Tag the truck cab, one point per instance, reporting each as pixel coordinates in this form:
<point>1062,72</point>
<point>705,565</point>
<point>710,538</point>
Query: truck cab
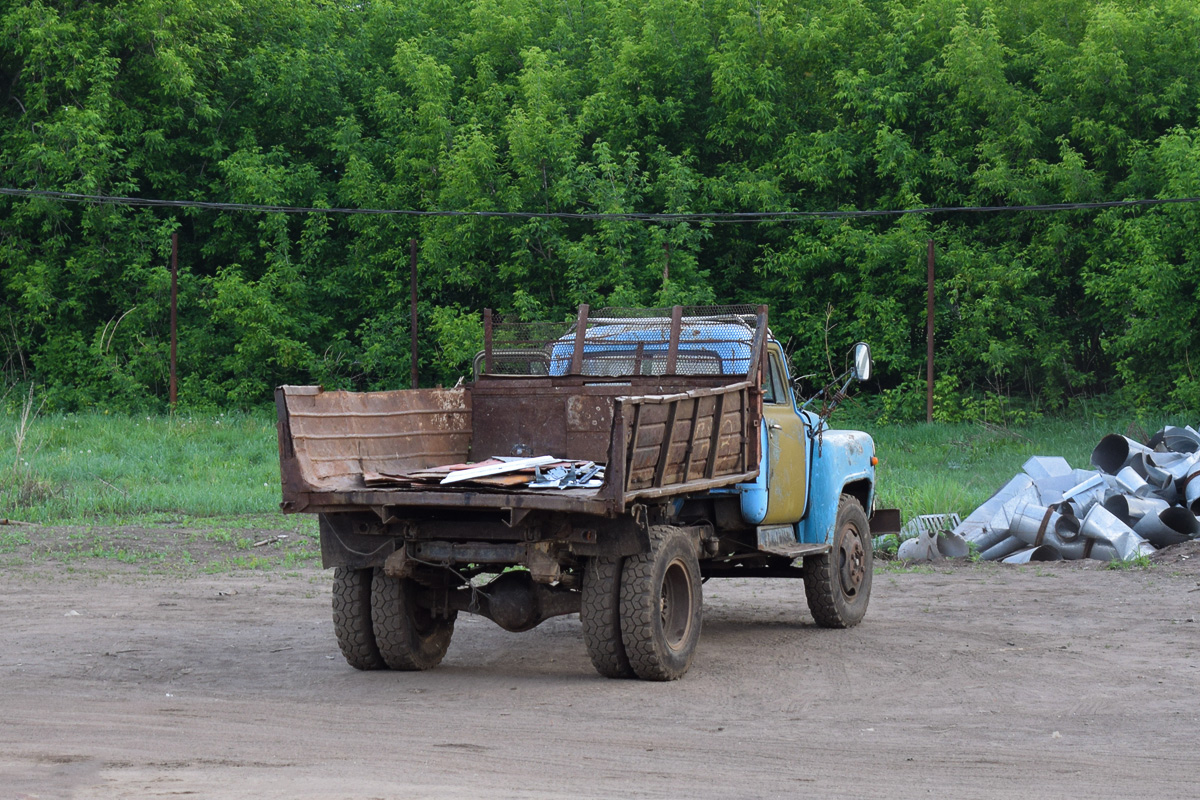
<point>800,460</point>
<point>813,495</point>
<point>805,466</point>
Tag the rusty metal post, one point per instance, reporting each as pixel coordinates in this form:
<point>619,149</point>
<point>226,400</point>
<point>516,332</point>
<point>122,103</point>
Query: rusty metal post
<point>673,347</point>
<point>412,263</point>
<point>929,340</point>
<point>487,341</point>
<point>172,390</point>
<point>580,335</point>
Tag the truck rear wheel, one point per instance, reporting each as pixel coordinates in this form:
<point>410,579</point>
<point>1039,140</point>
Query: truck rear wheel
<point>409,637</point>
<point>352,618</point>
<point>838,583</point>
<point>600,613</point>
<point>661,606</point>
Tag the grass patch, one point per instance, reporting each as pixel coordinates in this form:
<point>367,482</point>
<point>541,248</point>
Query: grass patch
<point>892,566</point>
<point>100,466</point>
<point>11,540</point>
<point>160,493</point>
<point>1137,562</point>
<point>215,478</point>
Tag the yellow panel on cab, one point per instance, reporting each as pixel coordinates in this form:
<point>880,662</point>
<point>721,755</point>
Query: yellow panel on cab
<point>787,464</point>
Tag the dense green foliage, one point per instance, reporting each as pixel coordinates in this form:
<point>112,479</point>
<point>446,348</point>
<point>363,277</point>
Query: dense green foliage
<point>600,105</point>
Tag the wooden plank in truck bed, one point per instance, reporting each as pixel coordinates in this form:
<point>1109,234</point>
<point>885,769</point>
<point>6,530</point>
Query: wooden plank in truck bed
<point>664,445</point>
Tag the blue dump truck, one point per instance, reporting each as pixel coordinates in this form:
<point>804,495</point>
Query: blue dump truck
<point>604,466</point>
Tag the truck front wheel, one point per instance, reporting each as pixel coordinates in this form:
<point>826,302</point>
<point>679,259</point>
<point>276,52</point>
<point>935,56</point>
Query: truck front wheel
<point>661,606</point>
<point>838,583</point>
<point>352,618</point>
<point>409,637</point>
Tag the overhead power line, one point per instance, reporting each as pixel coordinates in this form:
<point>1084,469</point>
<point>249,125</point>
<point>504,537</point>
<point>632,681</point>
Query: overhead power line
<point>713,216</point>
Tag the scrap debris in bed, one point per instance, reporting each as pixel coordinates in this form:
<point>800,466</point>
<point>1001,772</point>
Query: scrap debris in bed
<point>540,472</point>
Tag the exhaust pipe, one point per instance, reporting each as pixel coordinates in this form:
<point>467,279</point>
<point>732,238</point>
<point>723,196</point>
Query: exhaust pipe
<point>1100,536</point>
<point>1080,498</point>
<point>922,547</point>
<point>1162,468</point>
<point>1185,465</point>
<point>1034,524</point>
<point>951,545</point>
<point>1129,509</point>
<point>1118,506</point>
<point>1090,484</point>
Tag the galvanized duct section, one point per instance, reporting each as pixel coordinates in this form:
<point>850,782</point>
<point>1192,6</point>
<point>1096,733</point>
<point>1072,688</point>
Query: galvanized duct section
<point>928,538</point>
<point>1002,549</point>
<point>1043,553</point>
<point>1170,526</point>
<point>1115,452</point>
<point>1140,497</point>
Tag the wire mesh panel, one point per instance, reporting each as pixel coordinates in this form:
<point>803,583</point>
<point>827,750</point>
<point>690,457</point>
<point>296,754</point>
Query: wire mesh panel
<point>621,342</point>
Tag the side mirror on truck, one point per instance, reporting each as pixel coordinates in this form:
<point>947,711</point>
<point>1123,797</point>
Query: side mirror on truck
<point>861,353</point>
<point>834,393</point>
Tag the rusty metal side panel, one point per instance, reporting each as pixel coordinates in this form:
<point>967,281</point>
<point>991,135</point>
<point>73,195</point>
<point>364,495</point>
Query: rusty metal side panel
<point>562,416</point>
<point>328,439</point>
<point>529,423</point>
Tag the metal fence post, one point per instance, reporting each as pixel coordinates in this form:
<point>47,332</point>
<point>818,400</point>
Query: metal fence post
<point>412,247</point>
<point>172,390</point>
<point>929,340</point>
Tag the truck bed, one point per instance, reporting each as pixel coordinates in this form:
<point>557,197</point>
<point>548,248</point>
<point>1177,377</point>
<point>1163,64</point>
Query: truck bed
<point>658,436</point>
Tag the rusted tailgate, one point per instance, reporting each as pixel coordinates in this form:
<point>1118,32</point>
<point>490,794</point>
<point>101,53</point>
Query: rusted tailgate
<point>328,439</point>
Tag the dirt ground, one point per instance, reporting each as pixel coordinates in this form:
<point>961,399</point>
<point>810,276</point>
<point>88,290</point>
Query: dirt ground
<point>965,681</point>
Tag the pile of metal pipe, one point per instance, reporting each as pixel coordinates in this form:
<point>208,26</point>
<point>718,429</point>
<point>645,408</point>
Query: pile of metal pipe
<point>1140,497</point>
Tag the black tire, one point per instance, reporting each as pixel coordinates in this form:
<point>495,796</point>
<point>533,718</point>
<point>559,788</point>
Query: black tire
<point>352,618</point>
<point>600,613</point>
<point>838,583</point>
<point>408,636</point>
<point>661,606</point>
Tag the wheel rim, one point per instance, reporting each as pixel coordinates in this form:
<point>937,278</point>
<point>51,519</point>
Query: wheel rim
<point>852,566</point>
<point>675,604</point>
